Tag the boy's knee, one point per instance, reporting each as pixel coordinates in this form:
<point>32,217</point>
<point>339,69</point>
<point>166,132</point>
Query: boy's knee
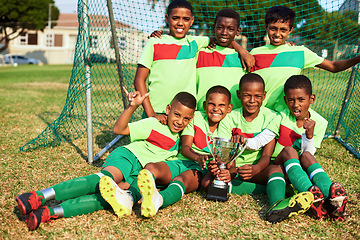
<point>307,159</point>
<point>289,152</point>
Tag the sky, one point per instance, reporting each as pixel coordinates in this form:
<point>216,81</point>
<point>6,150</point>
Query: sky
<point>70,6</point>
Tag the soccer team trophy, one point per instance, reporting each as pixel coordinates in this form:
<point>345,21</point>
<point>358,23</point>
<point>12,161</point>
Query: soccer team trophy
<point>223,151</point>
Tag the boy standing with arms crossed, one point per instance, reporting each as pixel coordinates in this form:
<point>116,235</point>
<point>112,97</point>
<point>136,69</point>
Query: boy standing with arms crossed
<point>288,60</point>
<point>300,131</point>
<point>151,140</point>
<point>184,174</point>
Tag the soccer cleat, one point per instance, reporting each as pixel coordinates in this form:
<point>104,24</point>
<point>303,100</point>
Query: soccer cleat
<point>289,207</point>
<point>336,202</point>
<point>38,216</point>
<point>120,200</point>
<point>28,202</point>
<point>318,209</point>
<point>152,200</point>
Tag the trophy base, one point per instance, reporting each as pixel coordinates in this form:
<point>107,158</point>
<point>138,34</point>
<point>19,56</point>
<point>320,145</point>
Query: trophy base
<point>217,194</point>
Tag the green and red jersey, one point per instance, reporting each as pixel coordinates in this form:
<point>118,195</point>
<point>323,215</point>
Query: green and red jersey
<point>284,125</point>
<point>275,64</point>
<point>219,66</point>
<point>172,64</point>
<point>152,141</point>
<point>237,125</point>
<point>198,129</point>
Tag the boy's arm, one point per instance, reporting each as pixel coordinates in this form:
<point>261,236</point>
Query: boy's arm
<point>338,66</point>
<point>307,137</point>
<point>188,152</point>
<point>248,171</point>
<point>260,140</point>
<point>140,78</point>
<point>247,60</point>
<point>121,126</point>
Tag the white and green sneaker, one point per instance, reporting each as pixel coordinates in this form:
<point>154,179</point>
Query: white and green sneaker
<point>151,198</point>
<point>289,207</point>
<point>120,200</point>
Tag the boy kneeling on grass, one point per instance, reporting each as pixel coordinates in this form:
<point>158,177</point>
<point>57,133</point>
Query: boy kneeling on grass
<point>184,174</point>
<point>151,141</point>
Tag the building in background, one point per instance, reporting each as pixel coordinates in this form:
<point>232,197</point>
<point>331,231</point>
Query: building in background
<point>57,44</point>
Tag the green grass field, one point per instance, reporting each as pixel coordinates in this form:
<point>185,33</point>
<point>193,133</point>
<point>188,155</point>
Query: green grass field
<point>33,96</point>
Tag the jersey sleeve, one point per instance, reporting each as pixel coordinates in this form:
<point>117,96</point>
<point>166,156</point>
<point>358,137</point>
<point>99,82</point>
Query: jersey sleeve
<point>274,124</point>
<point>189,129</point>
<point>147,56</point>
<point>202,41</point>
<point>225,127</point>
<point>140,130</point>
<point>311,58</point>
<point>320,129</point>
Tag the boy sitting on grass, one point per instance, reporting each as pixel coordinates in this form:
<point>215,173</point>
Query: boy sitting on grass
<point>184,174</point>
<point>278,57</point>
<point>151,140</point>
<point>247,121</point>
<point>300,131</point>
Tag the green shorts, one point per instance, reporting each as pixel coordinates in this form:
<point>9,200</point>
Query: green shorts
<point>123,159</point>
<point>180,166</point>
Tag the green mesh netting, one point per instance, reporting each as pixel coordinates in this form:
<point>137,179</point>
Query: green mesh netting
<point>334,35</point>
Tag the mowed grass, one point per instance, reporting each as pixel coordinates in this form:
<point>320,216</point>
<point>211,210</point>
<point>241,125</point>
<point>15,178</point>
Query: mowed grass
<point>29,92</point>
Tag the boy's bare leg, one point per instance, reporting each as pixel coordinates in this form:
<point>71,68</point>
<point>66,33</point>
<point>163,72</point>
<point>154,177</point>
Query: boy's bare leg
<point>160,171</point>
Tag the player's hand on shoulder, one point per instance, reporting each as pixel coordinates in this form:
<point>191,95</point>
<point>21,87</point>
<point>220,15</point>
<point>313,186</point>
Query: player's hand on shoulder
<point>291,43</point>
<point>156,34</point>
<point>309,126</point>
<point>212,42</point>
<point>247,61</point>
<point>135,98</point>
<point>162,118</point>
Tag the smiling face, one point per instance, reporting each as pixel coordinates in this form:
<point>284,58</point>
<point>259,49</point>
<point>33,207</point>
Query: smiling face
<point>178,116</point>
<point>278,32</point>
<point>298,101</point>
<point>251,95</point>
<point>217,105</point>
<point>225,30</point>
<point>180,21</point>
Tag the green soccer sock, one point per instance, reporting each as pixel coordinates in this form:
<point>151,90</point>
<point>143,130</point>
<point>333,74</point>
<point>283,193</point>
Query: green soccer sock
<point>297,176</point>
<point>275,187</point>
<point>42,198</point>
<point>77,187</point>
<point>83,205</point>
<point>134,190</point>
<point>319,177</point>
<point>240,187</point>
<point>172,193</point>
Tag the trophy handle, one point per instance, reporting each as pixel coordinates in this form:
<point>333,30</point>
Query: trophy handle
<point>241,151</point>
<point>209,135</point>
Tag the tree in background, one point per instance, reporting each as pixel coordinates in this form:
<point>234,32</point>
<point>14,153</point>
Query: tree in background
<point>19,16</point>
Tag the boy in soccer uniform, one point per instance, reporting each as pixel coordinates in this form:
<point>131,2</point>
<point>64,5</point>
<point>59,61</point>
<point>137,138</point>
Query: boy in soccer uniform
<point>221,65</point>
<point>183,175</point>
<point>169,61</point>
<point>248,121</point>
<point>151,141</point>
<point>300,131</point>
<point>288,60</point>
